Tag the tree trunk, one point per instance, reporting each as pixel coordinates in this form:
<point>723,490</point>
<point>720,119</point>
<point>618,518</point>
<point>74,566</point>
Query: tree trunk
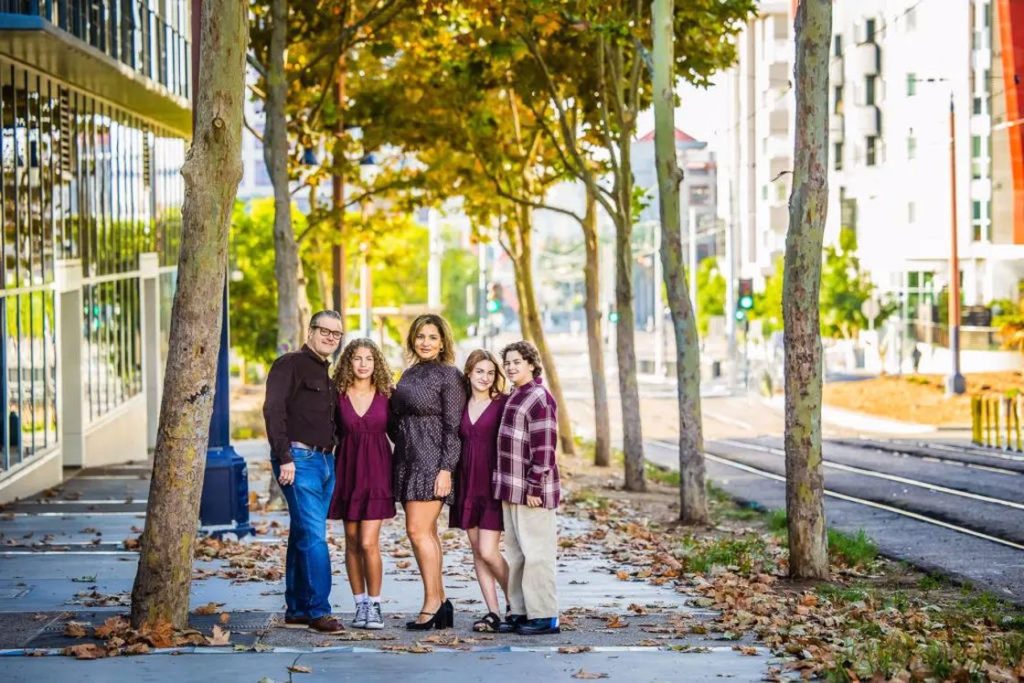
<point>693,507</point>
<point>286,251</point>
<point>595,338</point>
<point>275,155</point>
<point>808,203</point>
<point>625,342</point>
<point>212,171</point>
<point>533,328</point>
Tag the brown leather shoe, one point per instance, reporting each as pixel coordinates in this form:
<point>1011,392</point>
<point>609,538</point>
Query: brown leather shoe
<point>296,622</point>
<point>326,624</point>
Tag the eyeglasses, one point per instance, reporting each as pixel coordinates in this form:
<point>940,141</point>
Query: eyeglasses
<point>327,333</point>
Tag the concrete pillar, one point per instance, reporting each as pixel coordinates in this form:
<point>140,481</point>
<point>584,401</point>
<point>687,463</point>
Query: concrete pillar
<point>152,368</point>
<point>70,361</point>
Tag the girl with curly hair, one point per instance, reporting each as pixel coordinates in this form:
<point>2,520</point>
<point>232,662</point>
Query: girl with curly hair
<point>363,495</point>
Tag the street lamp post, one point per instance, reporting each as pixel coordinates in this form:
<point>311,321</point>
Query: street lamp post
<point>955,383</point>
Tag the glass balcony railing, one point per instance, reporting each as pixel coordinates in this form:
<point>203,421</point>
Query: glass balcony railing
<point>129,31</point>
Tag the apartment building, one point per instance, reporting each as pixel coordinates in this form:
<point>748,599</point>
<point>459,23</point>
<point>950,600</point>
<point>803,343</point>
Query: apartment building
<point>95,110</point>
<point>896,69</point>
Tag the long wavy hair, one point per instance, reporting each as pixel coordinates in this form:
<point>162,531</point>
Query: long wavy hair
<point>447,353</point>
<point>344,376</point>
<point>500,381</point>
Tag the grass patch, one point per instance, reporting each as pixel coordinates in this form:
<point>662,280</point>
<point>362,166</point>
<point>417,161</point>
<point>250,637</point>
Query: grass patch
<point>661,475</point>
<point>855,550</point>
<point>744,553</point>
<point>841,594</point>
<point>589,499</point>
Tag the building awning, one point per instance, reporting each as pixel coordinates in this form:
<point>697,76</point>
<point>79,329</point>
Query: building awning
<point>37,43</point>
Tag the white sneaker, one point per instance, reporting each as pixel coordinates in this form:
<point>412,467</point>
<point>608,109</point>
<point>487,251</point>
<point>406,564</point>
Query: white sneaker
<point>375,619</point>
<point>362,610</point>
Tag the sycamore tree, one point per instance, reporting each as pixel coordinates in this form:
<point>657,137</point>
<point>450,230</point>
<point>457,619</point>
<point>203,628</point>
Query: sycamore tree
<point>447,104</point>
<point>588,60</point>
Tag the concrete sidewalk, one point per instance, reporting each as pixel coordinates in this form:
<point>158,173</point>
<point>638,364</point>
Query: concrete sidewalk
<point>64,558</point>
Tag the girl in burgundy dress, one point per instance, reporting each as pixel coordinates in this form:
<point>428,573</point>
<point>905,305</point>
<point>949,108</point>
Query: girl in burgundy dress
<point>476,509</point>
<point>362,493</point>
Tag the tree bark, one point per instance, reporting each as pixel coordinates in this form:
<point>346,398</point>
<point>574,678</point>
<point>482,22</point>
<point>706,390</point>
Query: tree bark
<point>625,341</point>
<point>292,307</point>
<point>808,204</point>
<point>595,338</point>
<point>212,171</point>
<point>693,507</point>
<point>530,321</point>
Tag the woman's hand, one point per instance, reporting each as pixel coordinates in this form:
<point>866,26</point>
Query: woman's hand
<point>443,484</point>
<point>534,501</point>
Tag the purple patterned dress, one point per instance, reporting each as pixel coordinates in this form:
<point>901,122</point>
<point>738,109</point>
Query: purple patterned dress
<point>362,489</point>
<point>475,505</point>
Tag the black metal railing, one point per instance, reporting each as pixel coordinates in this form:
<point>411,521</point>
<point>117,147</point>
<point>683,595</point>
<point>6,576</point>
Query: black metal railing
<point>129,31</point>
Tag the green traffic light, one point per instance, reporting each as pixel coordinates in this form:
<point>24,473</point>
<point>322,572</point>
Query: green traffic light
<point>746,302</point>
<point>493,306</point>
<point>613,317</point>
<point>741,315</point>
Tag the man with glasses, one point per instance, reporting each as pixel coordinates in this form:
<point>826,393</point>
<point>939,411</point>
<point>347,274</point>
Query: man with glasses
<point>299,413</point>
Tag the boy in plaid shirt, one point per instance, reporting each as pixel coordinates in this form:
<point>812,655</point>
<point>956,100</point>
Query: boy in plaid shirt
<point>526,481</point>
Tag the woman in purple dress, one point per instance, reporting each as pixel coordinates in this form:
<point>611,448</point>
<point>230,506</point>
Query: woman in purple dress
<point>476,509</point>
<point>363,495</point>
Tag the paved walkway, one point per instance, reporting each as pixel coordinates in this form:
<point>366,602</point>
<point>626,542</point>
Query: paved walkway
<point>64,558</point>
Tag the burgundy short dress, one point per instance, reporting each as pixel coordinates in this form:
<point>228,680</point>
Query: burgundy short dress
<point>475,505</point>
<point>362,488</point>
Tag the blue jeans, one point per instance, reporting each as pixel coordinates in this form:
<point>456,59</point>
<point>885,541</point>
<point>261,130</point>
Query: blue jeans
<point>308,565</point>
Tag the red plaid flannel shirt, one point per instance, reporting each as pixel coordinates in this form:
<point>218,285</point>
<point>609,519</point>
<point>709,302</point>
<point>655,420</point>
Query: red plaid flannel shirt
<point>526,447</point>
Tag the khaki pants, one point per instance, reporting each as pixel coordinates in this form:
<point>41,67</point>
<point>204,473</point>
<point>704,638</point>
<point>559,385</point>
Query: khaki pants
<point>530,544</point>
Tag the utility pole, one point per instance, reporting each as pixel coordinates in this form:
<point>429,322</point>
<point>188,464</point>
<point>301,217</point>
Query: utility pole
<point>955,383</point>
<point>693,260</point>
<point>434,262</point>
<point>730,290</point>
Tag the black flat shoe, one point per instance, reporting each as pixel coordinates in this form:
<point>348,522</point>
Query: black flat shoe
<point>511,623</point>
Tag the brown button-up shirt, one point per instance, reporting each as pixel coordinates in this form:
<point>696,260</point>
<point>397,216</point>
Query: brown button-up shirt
<point>300,403</point>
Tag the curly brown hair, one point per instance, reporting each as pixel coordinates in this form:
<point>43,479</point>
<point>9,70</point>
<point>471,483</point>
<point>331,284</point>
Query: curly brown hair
<point>529,353</point>
<point>447,354</point>
<point>498,387</point>
<point>344,377</point>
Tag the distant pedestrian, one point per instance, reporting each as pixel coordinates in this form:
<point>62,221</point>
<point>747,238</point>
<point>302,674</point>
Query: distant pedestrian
<point>476,509</point>
<point>426,410</point>
<point>526,481</point>
<point>299,413</point>
<point>362,493</point>
<point>915,358</point>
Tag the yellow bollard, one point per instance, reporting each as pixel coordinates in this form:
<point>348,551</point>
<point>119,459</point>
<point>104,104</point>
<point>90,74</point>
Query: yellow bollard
<point>986,422</point>
<point>976,420</point>
<point>1019,411</point>
<point>1006,414</point>
<point>995,422</point>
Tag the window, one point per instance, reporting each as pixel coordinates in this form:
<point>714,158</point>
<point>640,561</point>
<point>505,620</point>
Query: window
<point>837,156</point>
<point>911,212</point>
<point>871,149</point>
<point>764,192</point>
<point>975,145</point>
<point>911,146</point>
<point>838,99</point>
<point>837,45</point>
<point>976,105</point>
<point>869,31</point>
<point>911,84</point>
<point>700,195</point>
<point>870,85</point>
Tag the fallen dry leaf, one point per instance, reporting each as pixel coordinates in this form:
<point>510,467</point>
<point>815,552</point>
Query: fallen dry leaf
<point>84,651</point>
<point>589,675</point>
<point>574,649</point>
<point>220,636</point>
<point>615,621</point>
<point>74,629</point>
<point>208,608</point>
<point>300,669</point>
<point>225,617</point>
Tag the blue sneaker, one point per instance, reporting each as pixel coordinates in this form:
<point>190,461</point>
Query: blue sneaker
<point>538,627</point>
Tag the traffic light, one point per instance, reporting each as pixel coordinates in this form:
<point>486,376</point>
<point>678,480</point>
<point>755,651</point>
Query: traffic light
<point>613,316</point>
<point>745,296</point>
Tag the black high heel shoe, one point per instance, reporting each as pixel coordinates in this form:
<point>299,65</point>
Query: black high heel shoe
<point>448,609</point>
<point>435,621</point>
